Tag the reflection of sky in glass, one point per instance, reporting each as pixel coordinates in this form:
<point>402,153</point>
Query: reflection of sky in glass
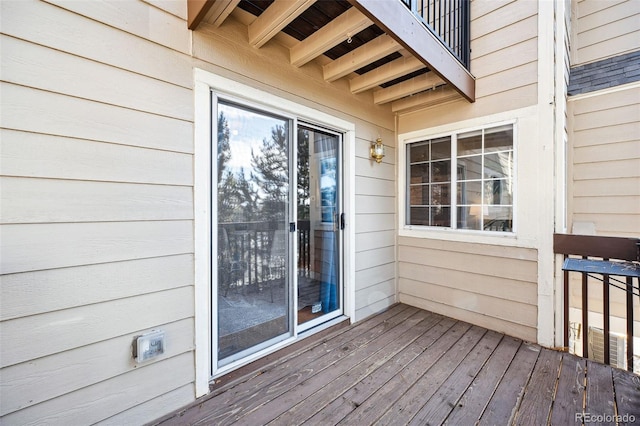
<point>247,129</point>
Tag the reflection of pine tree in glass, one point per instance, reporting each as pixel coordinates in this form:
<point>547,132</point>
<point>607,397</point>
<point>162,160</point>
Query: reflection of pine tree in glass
<point>270,172</point>
<point>236,197</point>
<point>303,174</point>
<point>224,151</point>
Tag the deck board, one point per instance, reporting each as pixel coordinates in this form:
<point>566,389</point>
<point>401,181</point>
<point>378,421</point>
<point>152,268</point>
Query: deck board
<point>394,390</point>
<point>535,407</point>
<point>431,380</point>
<point>569,396</point>
<point>437,408</point>
<point>472,404</point>
<point>599,392</point>
<point>503,404</point>
<point>409,366</point>
<point>361,391</point>
<point>378,349</point>
<point>627,388</point>
<point>331,390</point>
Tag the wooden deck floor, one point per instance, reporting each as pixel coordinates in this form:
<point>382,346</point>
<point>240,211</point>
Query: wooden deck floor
<point>409,366</point>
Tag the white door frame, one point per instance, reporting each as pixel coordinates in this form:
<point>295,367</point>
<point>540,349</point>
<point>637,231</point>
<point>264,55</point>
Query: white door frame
<point>204,246</point>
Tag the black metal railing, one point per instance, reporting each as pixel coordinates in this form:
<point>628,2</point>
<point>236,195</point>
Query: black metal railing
<point>613,263</point>
<point>449,20</point>
<point>256,253</point>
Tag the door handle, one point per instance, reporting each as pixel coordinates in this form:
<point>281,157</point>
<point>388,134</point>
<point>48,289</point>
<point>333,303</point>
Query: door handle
<point>341,221</point>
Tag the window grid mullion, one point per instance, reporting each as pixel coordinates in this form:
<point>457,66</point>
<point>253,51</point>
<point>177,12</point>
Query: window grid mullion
<point>453,193</point>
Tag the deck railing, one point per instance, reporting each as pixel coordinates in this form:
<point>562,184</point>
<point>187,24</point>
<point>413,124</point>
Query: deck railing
<point>252,254</point>
<point>449,20</point>
<point>612,262</point>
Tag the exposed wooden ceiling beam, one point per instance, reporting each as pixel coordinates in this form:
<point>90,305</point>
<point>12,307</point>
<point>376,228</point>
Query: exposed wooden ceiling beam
<point>219,11</point>
<point>335,32</point>
<point>416,84</point>
<point>376,49</point>
<point>196,11</point>
<point>275,18</point>
<point>400,23</point>
<point>439,95</point>
<point>387,72</point>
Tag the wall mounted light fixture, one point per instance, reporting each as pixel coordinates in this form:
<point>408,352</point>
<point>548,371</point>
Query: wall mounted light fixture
<point>377,150</point>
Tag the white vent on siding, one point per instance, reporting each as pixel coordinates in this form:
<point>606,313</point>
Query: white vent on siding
<point>617,349</point>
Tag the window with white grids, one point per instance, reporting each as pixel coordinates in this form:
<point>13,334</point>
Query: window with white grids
<point>462,181</point>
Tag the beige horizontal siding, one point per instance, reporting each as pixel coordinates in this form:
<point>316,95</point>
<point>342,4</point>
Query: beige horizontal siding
<point>22,199</point>
<point>38,155</point>
<point>51,26</point>
<point>134,17</point>
<point>605,167</point>
<point>375,239</point>
<point>604,28</point>
<point>174,7</point>
<point>44,68</point>
<point>30,383</point>
<point>96,209</point>
<point>141,413</point>
<point>89,324</point>
<point>366,185</point>
<point>31,293</point>
<point>492,286</point>
<point>33,247</point>
<point>99,401</point>
<point>69,116</point>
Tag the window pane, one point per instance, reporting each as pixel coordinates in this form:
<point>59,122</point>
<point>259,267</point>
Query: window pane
<point>441,216</point>
<point>498,219</point>
<point>441,171</point>
<point>470,143</point>
<point>469,217</point>
<point>440,194</point>
<point>419,216</point>
<point>498,139</point>
<point>441,149</point>
<point>420,173</point>
<point>484,163</point>
<point>470,168</point>
<point>498,165</point>
<point>418,152</point>
<point>420,195</point>
<point>470,192</point>
<point>498,191</point>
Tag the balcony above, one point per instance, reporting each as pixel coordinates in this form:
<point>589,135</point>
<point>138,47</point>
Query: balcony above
<point>409,53</point>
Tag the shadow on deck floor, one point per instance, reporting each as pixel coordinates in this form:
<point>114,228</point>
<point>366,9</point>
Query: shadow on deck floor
<point>410,366</point>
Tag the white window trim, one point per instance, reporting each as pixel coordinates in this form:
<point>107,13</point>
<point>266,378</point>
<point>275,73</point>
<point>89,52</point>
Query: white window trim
<point>204,83</point>
<point>447,233</point>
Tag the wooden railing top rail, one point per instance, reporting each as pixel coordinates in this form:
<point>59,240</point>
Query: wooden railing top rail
<point>619,248</point>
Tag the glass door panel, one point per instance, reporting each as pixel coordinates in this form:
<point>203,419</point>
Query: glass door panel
<point>318,208</point>
<point>253,290</point>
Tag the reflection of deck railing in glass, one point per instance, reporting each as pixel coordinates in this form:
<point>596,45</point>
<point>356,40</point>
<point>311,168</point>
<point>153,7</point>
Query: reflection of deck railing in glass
<point>449,20</point>
<point>255,254</point>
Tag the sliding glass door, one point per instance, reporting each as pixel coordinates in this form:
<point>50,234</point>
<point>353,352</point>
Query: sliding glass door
<point>319,226</point>
<point>277,224</point>
<point>253,212</point>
